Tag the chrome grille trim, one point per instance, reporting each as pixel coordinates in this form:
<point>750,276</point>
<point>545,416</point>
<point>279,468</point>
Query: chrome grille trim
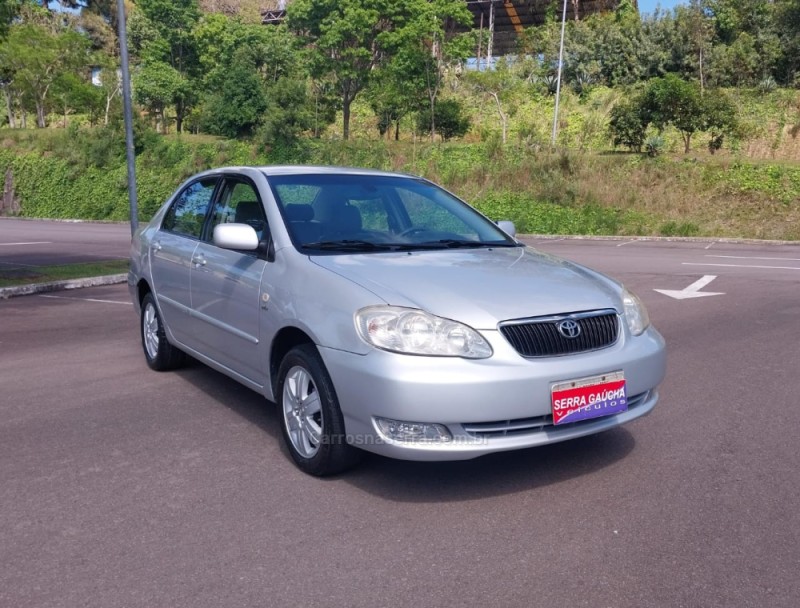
<point>539,336</point>
<point>536,424</point>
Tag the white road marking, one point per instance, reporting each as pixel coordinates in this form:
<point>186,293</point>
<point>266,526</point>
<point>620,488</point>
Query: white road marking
<point>711,245</point>
<point>626,243</point>
<point>692,291</point>
<point>746,257</point>
<point>30,243</point>
<point>88,300</point>
<point>743,266</point>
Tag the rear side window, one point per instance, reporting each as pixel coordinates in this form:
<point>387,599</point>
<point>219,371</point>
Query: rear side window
<point>188,211</point>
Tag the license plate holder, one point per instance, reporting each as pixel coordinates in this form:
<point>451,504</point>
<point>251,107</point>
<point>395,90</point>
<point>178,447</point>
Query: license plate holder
<point>587,398</point>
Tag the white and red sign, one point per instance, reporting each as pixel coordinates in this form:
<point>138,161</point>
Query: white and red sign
<point>581,401</point>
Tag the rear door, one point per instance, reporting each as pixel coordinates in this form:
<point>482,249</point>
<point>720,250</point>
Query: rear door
<point>171,256</point>
<point>226,286</point>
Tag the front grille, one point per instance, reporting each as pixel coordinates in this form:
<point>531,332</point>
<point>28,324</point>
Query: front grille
<point>540,337</point>
<point>524,426</point>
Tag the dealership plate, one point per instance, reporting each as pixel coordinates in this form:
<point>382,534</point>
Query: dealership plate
<point>587,398</point>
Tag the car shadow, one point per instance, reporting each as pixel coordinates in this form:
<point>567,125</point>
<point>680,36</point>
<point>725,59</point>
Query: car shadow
<point>492,475</point>
<point>424,482</point>
<point>248,404</point>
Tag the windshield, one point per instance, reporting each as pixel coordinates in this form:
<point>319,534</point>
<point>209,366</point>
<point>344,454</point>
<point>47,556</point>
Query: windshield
<point>373,213</point>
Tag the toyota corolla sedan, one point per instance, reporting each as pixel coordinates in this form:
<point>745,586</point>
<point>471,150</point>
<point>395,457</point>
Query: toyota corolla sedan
<point>382,313</point>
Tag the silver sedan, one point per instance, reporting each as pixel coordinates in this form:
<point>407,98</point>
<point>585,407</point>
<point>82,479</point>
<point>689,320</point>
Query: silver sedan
<point>382,313</point>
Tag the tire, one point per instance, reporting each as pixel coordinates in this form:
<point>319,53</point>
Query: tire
<point>311,421</point>
<point>158,352</point>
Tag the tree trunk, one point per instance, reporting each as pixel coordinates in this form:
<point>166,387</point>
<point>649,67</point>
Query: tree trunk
<point>346,118</point>
<point>433,118</point>
<point>397,130</point>
<point>687,139</point>
<point>12,123</point>
<point>503,116</point>
<point>40,117</point>
<point>179,112</point>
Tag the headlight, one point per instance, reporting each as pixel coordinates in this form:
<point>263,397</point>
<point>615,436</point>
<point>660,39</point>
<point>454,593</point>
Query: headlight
<point>415,332</point>
<point>635,313</point>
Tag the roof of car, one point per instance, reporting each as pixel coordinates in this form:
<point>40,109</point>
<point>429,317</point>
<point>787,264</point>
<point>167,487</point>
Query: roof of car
<point>309,169</point>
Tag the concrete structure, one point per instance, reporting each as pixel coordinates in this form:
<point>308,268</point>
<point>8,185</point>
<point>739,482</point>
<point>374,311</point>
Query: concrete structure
<point>503,20</point>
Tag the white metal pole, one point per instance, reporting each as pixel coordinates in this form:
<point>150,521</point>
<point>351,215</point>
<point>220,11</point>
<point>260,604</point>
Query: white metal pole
<point>558,78</point>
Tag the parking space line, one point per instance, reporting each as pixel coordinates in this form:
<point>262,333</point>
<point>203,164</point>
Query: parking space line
<point>742,266</point>
<point>744,257</point>
<point>29,243</point>
<point>88,300</point>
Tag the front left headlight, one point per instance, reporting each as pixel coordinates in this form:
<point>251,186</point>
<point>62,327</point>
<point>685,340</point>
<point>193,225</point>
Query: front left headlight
<point>635,313</point>
<point>415,332</point>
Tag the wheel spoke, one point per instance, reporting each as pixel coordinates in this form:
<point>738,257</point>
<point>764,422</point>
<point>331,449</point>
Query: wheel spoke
<point>311,404</point>
<point>312,431</point>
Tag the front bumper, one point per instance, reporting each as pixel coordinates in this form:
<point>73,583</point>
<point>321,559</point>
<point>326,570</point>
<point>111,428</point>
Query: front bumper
<point>488,405</point>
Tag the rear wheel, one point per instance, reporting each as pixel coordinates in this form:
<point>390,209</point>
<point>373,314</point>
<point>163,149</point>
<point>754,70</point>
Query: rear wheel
<point>158,352</point>
<point>311,421</point>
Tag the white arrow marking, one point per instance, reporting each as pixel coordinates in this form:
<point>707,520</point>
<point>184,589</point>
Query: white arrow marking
<point>693,291</point>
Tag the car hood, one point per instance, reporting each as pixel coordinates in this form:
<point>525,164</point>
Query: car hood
<point>479,287</point>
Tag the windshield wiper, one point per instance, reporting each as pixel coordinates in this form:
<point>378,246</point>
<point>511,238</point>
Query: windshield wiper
<point>457,243</point>
<point>347,245</point>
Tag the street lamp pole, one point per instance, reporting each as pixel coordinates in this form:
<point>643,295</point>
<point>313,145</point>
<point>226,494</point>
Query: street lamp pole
<point>558,78</point>
<point>126,103</point>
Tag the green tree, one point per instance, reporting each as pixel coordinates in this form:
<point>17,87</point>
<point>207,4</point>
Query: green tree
<point>8,10</point>
<point>628,125</point>
<point>450,120</point>
<point>33,57</point>
<point>156,85</point>
<point>427,48</point>
<point>236,107</point>
<point>500,85</point>
<point>162,33</point>
<point>673,101</point>
<point>348,40</point>
<point>719,118</point>
<point>288,114</point>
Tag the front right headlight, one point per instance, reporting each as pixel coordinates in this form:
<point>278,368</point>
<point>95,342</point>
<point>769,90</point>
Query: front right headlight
<point>635,313</point>
<point>415,332</point>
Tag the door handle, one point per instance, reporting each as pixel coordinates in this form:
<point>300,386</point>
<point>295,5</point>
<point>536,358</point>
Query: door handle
<point>199,260</point>
<point>157,246</point>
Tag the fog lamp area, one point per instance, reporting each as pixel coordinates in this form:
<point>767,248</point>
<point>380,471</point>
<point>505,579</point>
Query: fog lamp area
<point>413,432</point>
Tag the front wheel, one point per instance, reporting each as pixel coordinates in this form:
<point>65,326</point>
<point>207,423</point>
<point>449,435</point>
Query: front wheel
<point>158,352</point>
<point>311,421</point>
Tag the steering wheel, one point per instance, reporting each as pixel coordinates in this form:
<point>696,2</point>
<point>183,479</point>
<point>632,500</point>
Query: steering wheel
<point>412,230</point>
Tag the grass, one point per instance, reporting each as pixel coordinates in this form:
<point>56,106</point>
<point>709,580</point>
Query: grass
<point>46,274</point>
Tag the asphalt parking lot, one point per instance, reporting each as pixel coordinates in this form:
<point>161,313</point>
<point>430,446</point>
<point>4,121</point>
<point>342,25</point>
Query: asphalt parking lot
<point>120,486</point>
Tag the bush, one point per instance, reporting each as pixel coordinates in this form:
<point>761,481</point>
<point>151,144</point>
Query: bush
<point>654,146</point>
<point>451,120</point>
<point>627,125</point>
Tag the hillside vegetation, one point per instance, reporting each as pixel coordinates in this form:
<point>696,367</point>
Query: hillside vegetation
<point>681,124</point>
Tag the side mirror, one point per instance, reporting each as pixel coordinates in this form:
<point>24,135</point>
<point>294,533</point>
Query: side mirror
<point>241,237</point>
<point>508,227</point>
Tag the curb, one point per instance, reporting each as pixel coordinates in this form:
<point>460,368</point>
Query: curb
<point>33,288</point>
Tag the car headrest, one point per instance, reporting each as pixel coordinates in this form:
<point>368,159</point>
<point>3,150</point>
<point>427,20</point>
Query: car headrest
<point>299,213</point>
<point>248,210</point>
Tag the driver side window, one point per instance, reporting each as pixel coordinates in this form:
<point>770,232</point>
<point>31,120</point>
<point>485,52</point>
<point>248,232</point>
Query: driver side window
<point>239,203</point>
